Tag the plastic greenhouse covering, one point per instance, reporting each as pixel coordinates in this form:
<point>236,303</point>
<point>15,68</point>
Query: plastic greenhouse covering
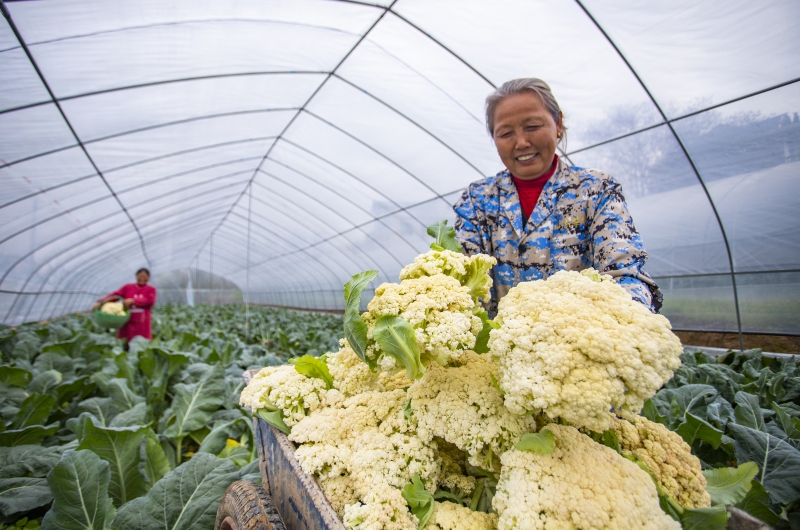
<point>286,145</point>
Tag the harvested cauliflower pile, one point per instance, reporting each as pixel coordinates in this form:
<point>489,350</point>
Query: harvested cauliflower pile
<point>113,308</point>
<point>581,484</point>
<point>576,345</point>
<point>422,421</point>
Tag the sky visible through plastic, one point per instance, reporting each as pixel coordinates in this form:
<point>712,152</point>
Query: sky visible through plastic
<point>287,145</point>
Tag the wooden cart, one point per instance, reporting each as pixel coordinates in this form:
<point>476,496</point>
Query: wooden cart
<point>292,500</point>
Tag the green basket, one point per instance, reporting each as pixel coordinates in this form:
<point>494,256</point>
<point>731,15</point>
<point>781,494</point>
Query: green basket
<point>105,320</point>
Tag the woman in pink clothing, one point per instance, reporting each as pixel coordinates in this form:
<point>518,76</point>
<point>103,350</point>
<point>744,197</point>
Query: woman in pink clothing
<point>138,298</point>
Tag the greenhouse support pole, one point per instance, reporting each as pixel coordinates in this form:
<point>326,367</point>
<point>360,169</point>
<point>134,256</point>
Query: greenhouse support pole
<point>247,269</point>
<point>668,123</point>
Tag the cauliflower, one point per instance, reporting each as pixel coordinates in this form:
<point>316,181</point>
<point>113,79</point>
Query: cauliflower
<point>351,376</point>
<point>367,446</point>
<point>113,308</point>
<point>339,491</point>
<point>383,509</point>
<point>451,516</point>
<point>580,485</point>
<point>283,388</point>
<point>576,345</point>
<point>438,307</point>
<point>470,271</point>
<point>668,458</point>
<point>461,405</point>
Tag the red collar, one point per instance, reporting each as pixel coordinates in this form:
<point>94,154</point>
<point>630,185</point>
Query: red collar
<point>539,181</point>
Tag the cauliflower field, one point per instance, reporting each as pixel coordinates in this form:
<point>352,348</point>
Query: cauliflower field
<point>431,415</point>
<point>94,437</point>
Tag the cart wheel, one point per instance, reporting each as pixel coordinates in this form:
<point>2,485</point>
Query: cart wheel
<point>246,506</point>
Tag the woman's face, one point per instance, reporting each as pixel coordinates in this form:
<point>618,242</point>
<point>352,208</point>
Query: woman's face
<point>142,278</point>
<point>525,135</point>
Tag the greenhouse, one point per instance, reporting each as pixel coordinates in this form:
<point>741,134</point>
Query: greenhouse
<point>254,156</point>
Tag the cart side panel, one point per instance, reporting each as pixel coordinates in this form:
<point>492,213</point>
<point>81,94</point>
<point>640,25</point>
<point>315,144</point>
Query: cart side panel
<point>297,497</point>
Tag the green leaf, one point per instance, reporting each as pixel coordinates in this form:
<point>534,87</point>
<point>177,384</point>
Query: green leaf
<point>756,503</point>
<point>696,429</point>
<point>395,337</point>
<point>80,493</point>
<point>713,518</point>
<point>12,376</point>
<point>729,485</point>
<point>444,237</point>
<point>650,412</point>
<point>22,494</point>
<point>101,408</point>
<point>32,434</point>
<point>34,411</point>
<point>45,382</point>
<point>120,448</point>
<point>131,418</point>
<point>482,340</point>
<point>194,403</point>
<point>748,411</point>
<point>777,460</point>
<point>496,385</point>
<point>310,366</point>
<point>154,464</point>
<point>215,441</point>
<point>28,460</point>
<point>355,329</point>
<point>274,418</point>
<point>408,412</point>
<point>186,498</point>
<point>790,425</point>
<point>542,442</point>
<point>118,390</point>
<point>419,500</point>
<point>611,440</point>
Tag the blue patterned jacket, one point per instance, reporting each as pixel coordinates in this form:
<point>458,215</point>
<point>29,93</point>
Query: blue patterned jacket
<point>580,221</point>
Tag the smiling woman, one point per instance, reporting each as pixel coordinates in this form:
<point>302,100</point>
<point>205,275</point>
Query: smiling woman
<point>540,215</point>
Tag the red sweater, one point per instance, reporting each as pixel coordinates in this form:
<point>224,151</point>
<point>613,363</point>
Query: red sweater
<point>144,296</point>
<point>529,190</point>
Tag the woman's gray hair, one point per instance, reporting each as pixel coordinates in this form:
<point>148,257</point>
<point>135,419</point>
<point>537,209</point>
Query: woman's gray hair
<point>521,86</point>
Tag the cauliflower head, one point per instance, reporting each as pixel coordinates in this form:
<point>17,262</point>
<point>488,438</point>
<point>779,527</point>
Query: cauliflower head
<point>283,388</point>
<point>470,271</point>
<point>351,376</point>
<point>580,485</point>
<point>113,308</point>
<point>668,457</point>
<point>438,307</point>
<point>461,405</point>
<point>451,516</point>
<point>576,345</point>
<point>365,450</point>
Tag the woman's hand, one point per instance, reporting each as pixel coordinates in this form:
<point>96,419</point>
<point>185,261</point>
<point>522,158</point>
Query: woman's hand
<point>96,305</point>
<point>128,302</point>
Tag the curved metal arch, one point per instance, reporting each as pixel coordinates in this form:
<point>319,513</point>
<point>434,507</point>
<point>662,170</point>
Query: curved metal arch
<point>282,228</point>
<point>95,201</point>
<point>264,228</point>
<point>188,120</point>
<point>189,151</point>
<point>688,157</point>
<point>68,260</point>
<point>314,270</point>
<point>138,186</point>
<point>179,23</point>
<point>304,105</point>
<point>13,27</point>
<point>310,213</point>
<point>334,191</point>
<point>329,208</point>
<point>51,258</point>
<point>3,277</point>
<point>377,152</point>
<point>112,255</point>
